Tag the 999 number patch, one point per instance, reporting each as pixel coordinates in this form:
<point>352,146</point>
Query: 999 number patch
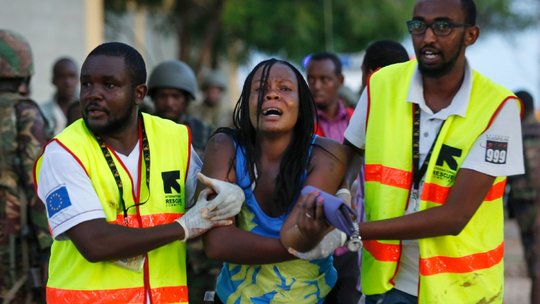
<point>496,152</point>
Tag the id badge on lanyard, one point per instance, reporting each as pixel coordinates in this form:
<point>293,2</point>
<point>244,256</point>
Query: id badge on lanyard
<point>414,200</point>
<point>134,264</point>
<point>418,171</point>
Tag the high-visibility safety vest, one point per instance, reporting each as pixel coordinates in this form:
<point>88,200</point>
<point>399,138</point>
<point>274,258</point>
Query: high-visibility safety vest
<point>72,278</point>
<point>467,268</point>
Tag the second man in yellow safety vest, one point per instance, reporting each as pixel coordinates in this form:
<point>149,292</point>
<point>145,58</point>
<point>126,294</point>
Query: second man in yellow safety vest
<point>439,139</point>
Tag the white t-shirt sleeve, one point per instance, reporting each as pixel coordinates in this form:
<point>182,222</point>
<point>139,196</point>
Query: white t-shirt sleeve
<point>356,131</point>
<point>499,150</point>
<point>195,165</point>
<point>66,191</point>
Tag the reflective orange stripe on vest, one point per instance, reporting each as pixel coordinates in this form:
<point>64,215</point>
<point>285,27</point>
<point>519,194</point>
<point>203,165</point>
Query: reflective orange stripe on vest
<point>149,220</point>
<point>388,176</point>
<point>381,251</point>
<point>126,295</point>
<point>438,194</point>
<point>465,264</point>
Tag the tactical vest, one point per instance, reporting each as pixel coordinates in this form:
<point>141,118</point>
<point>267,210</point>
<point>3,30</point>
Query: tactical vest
<point>467,268</point>
<point>164,274</point>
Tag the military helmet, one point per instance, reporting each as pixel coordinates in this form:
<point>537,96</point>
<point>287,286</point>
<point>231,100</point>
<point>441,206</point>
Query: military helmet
<point>173,74</point>
<point>15,56</point>
<point>214,79</point>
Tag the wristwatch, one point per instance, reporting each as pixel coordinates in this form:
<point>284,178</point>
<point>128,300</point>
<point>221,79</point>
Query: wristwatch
<point>355,241</point>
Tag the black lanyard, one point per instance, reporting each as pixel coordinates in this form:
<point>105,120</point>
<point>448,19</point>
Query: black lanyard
<point>419,173</point>
<point>146,156</point>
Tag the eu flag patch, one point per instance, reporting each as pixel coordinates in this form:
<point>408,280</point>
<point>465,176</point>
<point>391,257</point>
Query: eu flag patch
<point>57,200</point>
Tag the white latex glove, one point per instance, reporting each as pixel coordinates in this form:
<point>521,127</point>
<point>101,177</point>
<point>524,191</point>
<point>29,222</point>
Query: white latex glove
<point>228,201</point>
<point>193,222</point>
<point>332,240</point>
<point>345,195</point>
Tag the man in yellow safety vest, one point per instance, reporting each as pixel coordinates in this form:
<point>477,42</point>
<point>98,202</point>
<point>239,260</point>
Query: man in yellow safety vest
<point>439,139</point>
<point>116,185</point>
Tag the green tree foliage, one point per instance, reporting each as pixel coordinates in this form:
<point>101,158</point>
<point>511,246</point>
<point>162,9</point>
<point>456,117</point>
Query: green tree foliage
<point>295,28</point>
<point>506,15</point>
<point>209,30</point>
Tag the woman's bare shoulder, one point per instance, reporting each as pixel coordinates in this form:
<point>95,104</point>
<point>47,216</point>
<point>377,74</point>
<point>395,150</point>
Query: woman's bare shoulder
<point>328,147</point>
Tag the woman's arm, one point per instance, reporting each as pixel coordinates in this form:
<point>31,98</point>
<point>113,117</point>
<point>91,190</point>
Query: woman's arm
<point>230,243</point>
<point>306,225</point>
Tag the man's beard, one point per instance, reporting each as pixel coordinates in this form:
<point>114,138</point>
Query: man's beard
<point>112,126</point>
<point>444,68</point>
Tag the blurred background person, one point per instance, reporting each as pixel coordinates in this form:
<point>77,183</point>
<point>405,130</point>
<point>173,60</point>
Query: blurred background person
<point>213,108</point>
<point>73,112</point>
<point>380,54</point>
<point>524,194</point>
<point>65,78</point>
<point>171,86</point>
<point>325,77</point>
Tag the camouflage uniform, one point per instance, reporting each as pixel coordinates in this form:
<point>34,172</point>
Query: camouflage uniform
<point>24,236</point>
<point>524,195</point>
<point>202,272</point>
<point>200,133</point>
<point>217,115</point>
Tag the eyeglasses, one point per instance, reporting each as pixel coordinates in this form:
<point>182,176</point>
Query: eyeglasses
<point>439,28</point>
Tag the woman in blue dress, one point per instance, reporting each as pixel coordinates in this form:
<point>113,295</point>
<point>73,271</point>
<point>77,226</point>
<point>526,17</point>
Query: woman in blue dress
<point>272,153</point>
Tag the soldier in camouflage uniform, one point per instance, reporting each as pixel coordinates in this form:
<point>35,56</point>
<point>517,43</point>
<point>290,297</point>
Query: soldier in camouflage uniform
<point>213,108</point>
<point>172,86</point>
<point>24,236</point>
<point>524,195</point>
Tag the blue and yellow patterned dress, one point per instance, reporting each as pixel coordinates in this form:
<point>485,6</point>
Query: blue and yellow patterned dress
<point>295,281</point>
